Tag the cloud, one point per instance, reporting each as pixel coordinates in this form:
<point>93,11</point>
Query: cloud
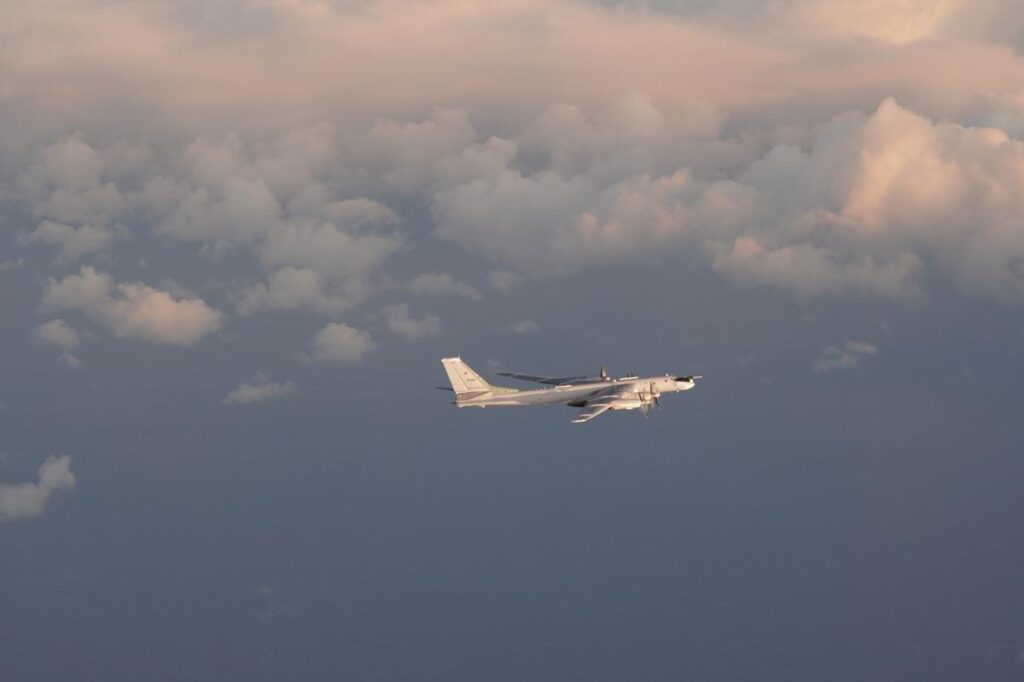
<point>12,264</point>
<point>59,334</point>
<point>70,183</point>
<point>805,269</point>
<point>258,389</point>
<point>339,343</point>
<point>68,360</point>
<point>442,284</point>
<point>133,310</point>
<point>26,500</point>
<point>405,153</point>
<point>847,357</point>
<point>524,327</point>
<point>73,242</point>
<point>276,201</point>
<point>400,322</point>
<point>407,56</point>
<point>326,248</point>
<point>898,23</point>
<point>872,203</point>
<point>503,280</point>
<point>297,289</point>
<point>807,147</point>
<point>860,204</point>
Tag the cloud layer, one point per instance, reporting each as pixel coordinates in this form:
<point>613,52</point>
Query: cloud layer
<point>808,146</point>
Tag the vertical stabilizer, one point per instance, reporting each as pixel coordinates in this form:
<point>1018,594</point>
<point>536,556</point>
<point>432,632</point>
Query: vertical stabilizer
<point>463,379</point>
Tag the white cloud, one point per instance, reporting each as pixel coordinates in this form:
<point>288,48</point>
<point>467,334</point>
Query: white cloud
<point>524,327</point>
<point>402,323</point>
<point>872,203</point>
<point>442,284</point>
<point>847,357</point>
<point>258,389</point>
<point>746,161</point>
<point>340,343</point>
<point>26,500</point>
<point>133,310</point>
<point>59,334</point>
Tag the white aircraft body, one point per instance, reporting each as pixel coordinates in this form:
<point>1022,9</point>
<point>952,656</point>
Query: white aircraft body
<point>596,395</point>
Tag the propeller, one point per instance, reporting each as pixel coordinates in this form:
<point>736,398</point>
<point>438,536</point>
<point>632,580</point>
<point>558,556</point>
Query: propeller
<point>604,372</point>
<point>652,396</point>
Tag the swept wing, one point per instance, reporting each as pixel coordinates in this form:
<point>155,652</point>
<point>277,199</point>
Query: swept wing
<point>593,409</point>
<point>551,381</point>
<point>602,400</point>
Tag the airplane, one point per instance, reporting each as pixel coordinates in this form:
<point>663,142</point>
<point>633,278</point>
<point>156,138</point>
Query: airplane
<point>595,394</point>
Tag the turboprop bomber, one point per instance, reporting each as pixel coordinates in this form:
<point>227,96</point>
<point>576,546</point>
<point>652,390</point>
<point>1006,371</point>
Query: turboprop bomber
<point>595,394</point>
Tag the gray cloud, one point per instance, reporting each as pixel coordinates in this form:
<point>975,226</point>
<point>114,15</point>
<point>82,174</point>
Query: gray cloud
<point>298,289</point>
<point>259,389</point>
<point>503,280</point>
<point>402,323</point>
<point>442,284</point>
<point>524,327</point>
<point>26,500</point>
<point>59,334</point>
<point>339,343</point>
<point>73,242</point>
<point>849,356</point>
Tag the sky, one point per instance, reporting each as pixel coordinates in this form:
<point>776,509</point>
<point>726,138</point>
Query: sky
<point>236,238</point>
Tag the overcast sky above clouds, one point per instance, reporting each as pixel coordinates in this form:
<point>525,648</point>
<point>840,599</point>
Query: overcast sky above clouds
<point>236,237</point>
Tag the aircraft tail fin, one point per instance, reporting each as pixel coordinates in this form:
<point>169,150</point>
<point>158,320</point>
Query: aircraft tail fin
<point>465,382</point>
